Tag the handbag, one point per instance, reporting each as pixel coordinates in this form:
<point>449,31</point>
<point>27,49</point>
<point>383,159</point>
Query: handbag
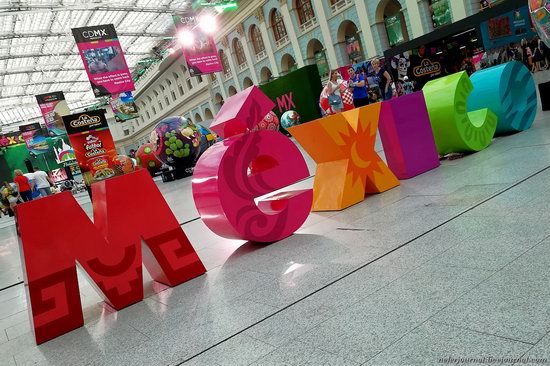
<point>334,100</point>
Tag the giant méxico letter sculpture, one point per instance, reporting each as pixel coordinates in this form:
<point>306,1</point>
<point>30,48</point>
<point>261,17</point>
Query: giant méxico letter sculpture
<point>342,145</point>
<point>108,250</point>
<point>231,174</point>
<point>509,91</point>
<point>407,136</point>
<point>455,129</point>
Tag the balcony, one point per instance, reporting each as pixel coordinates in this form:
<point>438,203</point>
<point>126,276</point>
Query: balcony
<point>261,55</point>
<point>242,66</point>
<point>310,24</point>
<point>340,5</point>
<point>214,82</point>
<point>281,42</point>
<point>227,75</point>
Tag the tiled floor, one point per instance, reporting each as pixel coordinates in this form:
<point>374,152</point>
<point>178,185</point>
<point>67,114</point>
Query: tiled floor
<point>454,263</point>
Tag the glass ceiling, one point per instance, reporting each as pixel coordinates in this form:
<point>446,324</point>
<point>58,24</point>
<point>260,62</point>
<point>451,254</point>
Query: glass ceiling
<point>38,53</point>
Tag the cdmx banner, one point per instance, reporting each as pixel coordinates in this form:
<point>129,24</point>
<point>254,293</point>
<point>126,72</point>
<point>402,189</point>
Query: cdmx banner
<point>455,113</point>
<point>201,56</point>
<point>103,59</point>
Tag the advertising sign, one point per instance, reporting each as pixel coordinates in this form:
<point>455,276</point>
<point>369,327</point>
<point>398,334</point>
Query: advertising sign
<point>103,59</point>
<point>53,107</point>
<point>394,30</point>
<point>441,12</point>
<point>353,48</point>
<point>92,143</point>
<point>123,106</point>
<point>11,139</point>
<point>508,28</point>
<point>201,56</point>
<point>34,138</point>
<point>58,175</point>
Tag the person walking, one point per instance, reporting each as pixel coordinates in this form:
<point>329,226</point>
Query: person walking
<point>42,182</point>
<point>23,185</point>
<point>358,86</point>
<point>384,80</point>
<point>537,55</point>
<point>9,197</point>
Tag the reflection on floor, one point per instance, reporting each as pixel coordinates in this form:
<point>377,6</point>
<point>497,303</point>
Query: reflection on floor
<point>453,263</point>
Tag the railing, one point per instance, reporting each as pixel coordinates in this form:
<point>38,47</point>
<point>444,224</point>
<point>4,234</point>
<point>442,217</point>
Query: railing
<point>281,42</point>
<point>243,66</point>
<point>339,5</point>
<point>260,55</point>
<point>308,25</point>
<point>227,75</point>
<point>215,82</point>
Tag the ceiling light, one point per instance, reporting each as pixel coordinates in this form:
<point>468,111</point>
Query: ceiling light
<point>208,23</point>
<point>186,38</point>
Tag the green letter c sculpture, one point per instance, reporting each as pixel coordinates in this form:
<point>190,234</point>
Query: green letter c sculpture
<point>455,129</point>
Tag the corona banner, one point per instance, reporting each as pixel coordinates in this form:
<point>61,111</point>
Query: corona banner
<point>103,59</point>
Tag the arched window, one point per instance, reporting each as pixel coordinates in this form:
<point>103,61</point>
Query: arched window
<point>225,62</point>
<point>278,25</point>
<point>304,10</point>
<point>257,40</point>
<point>239,52</point>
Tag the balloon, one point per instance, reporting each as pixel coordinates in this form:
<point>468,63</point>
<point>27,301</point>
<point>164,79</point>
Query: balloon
<point>540,14</point>
<point>208,138</point>
<point>176,141</point>
<point>146,158</point>
<point>289,119</point>
<point>270,122</point>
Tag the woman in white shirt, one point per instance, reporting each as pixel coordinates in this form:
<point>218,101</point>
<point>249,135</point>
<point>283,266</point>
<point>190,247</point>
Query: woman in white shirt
<point>333,89</point>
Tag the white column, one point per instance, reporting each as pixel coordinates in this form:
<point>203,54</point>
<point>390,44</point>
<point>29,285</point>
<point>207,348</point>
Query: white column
<point>212,109</point>
<point>249,60</point>
<point>325,31</point>
<point>459,10</point>
<point>361,8</point>
<point>220,84</point>
<point>269,49</point>
<point>415,18</point>
<point>289,25</point>
<point>229,56</point>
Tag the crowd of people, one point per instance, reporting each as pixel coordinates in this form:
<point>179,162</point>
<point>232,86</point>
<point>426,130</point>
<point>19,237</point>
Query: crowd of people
<point>534,54</point>
<point>23,188</point>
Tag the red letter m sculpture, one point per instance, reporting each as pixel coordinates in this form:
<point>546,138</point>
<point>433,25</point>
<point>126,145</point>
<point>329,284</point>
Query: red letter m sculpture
<point>127,210</point>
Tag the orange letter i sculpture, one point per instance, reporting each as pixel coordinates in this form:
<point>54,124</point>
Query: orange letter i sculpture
<point>342,145</point>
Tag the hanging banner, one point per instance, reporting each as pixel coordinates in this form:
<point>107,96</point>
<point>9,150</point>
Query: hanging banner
<point>441,12</point>
<point>201,56</point>
<point>394,29</point>
<point>34,138</point>
<point>92,143</point>
<point>103,59</point>
<point>123,106</point>
<point>53,107</point>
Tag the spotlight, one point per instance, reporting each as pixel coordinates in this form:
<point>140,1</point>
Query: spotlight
<point>186,38</point>
<point>208,23</point>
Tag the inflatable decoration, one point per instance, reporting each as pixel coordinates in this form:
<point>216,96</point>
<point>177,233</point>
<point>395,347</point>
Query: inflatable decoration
<point>269,122</point>
<point>509,91</point>
<point>407,137</point>
<point>123,164</point>
<point>232,174</point>
<point>146,158</point>
<point>455,129</point>
<point>342,145</point>
<point>540,14</point>
<point>289,119</point>
<point>175,141</point>
<point>208,138</point>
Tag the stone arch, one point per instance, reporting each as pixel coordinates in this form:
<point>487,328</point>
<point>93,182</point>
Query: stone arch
<point>390,9</point>
<point>265,74</point>
<point>198,118</point>
<point>288,63</point>
<point>231,90</point>
<point>349,41</point>
<point>247,82</point>
<point>208,114</point>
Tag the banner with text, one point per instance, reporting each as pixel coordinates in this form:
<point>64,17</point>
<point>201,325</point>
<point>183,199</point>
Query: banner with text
<point>92,143</point>
<point>201,56</point>
<point>123,106</point>
<point>53,107</point>
<point>34,138</point>
<point>103,59</point>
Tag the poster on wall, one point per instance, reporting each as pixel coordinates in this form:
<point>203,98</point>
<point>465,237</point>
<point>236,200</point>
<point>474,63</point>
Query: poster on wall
<point>93,144</point>
<point>322,65</point>
<point>441,12</point>
<point>394,29</point>
<point>53,107</point>
<point>103,59</point>
<point>508,28</point>
<point>35,138</point>
<point>201,56</point>
<point>123,106</point>
<point>58,175</point>
<point>353,48</point>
